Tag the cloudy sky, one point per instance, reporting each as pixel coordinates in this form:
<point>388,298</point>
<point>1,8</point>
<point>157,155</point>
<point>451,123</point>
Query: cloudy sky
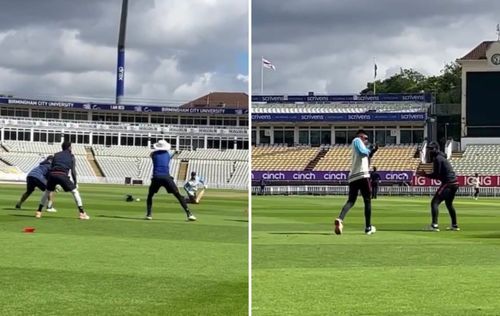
<point>329,46</point>
<point>177,50</point>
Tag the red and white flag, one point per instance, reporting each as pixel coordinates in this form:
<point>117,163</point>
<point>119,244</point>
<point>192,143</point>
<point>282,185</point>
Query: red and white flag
<point>267,64</point>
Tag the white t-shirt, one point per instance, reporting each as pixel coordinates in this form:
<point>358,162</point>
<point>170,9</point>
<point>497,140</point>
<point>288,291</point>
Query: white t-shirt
<point>193,185</point>
<point>475,182</point>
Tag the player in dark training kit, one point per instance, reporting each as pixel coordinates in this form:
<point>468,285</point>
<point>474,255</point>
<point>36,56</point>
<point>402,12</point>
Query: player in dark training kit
<point>442,171</point>
<point>62,164</point>
<point>161,178</point>
<point>37,178</point>
<point>375,180</point>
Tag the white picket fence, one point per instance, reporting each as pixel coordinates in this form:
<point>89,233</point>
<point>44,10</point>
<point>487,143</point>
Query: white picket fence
<point>383,190</point>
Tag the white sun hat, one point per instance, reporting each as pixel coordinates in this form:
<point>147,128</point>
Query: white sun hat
<point>162,145</point>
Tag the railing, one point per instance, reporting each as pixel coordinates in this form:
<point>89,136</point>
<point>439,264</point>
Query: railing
<point>121,127</point>
<point>120,180</point>
<point>384,191</point>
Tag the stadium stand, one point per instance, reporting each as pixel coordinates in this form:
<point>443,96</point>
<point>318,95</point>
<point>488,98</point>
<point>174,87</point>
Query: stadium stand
<point>24,161</point>
<point>337,158</point>
<point>39,147</point>
<point>396,158</point>
<point>215,154</point>
<point>136,168</point>
<point>226,168</point>
<point>112,143</point>
<point>27,161</point>
<point>338,107</point>
<point>482,159</point>
<point>282,158</point>
<point>121,151</point>
<point>212,171</point>
<point>240,173</point>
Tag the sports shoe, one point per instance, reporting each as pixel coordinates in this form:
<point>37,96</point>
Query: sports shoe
<point>84,216</point>
<point>191,217</point>
<point>453,228</point>
<point>38,214</point>
<point>51,210</point>
<point>339,226</point>
<point>370,230</point>
<point>432,228</point>
<point>148,217</point>
<point>18,206</point>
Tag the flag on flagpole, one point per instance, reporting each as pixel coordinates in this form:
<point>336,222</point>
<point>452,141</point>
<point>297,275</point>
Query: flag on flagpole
<point>267,64</point>
<point>375,71</point>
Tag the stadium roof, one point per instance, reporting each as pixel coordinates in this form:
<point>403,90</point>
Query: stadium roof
<point>232,100</point>
<point>479,52</point>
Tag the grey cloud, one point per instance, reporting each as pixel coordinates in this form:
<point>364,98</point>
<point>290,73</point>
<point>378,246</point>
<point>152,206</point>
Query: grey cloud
<point>329,46</point>
<point>71,46</point>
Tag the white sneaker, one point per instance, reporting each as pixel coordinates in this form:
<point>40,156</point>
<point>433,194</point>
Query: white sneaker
<point>432,228</point>
<point>339,226</point>
<point>149,218</point>
<point>370,230</point>
<point>51,210</point>
<point>84,216</point>
<point>191,218</point>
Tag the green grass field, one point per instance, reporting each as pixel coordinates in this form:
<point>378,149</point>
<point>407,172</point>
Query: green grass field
<point>300,268</point>
<point>119,264</point>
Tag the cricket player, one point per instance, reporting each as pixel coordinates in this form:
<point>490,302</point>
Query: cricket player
<point>195,188</point>
<point>475,185</point>
<point>442,171</point>
<point>359,180</point>
<point>375,181</point>
<point>62,164</point>
<point>161,178</point>
<point>37,178</point>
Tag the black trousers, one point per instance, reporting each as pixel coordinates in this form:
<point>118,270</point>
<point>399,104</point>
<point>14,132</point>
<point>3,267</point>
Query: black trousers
<point>363,186</point>
<point>169,185</point>
<point>476,192</point>
<point>446,193</point>
<point>374,190</point>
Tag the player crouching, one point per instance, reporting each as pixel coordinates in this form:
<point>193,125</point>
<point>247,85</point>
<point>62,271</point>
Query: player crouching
<point>37,178</point>
<point>62,163</point>
<point>195,189</point>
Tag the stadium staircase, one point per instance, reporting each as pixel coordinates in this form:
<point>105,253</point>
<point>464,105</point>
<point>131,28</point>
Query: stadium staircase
<point>5,162</point>
<point>93,163</point>
<point>457,155</point>
<point>3,149</point>
<point>183,169</point>
<point>427,167</point>
<point>312,164</point>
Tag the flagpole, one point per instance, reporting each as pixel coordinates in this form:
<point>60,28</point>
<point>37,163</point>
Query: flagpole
<point>262,75</point>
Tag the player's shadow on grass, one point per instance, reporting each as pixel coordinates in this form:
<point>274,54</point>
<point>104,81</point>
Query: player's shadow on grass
<point>237,220</point>
<point>13,209</point>
<point>488,236</point>
<point>403,230</point>
<point>33,216</point>
<point>301,233</point>
<point>125,217</point>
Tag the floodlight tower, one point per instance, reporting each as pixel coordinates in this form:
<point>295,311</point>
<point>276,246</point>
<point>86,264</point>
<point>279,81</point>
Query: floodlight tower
<point>120,66</point>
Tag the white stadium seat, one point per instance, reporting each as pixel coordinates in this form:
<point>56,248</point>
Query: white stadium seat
<point>221,168</point>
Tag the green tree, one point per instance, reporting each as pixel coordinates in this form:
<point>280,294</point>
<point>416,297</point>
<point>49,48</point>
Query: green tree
<point>447,86</point>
